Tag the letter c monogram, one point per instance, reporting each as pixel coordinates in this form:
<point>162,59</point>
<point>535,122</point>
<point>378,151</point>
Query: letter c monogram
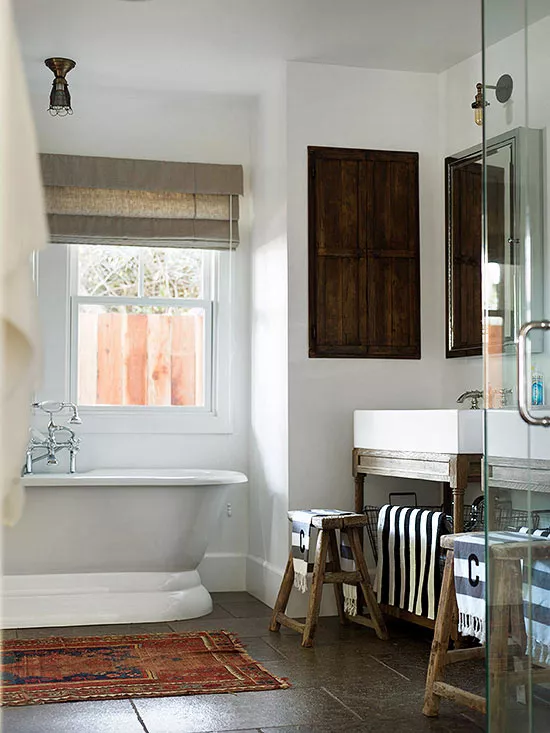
<point>473,560</point>
<point>302,544</point>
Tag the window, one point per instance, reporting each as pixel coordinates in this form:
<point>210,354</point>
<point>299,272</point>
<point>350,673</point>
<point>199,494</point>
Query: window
<point>143,326</point>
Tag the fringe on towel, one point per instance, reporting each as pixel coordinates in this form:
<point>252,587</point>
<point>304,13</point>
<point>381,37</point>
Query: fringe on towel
<point>348,565</point>
<point>470,625</point>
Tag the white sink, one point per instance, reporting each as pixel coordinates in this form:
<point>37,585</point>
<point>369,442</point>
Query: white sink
<point>419,431</point>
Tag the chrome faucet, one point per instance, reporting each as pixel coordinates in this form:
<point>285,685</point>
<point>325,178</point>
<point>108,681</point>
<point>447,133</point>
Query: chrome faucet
<point>473,394</point>
<point>49,443</point>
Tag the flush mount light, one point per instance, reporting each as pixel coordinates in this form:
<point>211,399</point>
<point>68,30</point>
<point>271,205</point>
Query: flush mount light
<point>60,99</point>
<point>503,91</point>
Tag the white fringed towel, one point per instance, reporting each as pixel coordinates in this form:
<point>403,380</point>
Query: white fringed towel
<point>301,533</point>
<point>470,578</point>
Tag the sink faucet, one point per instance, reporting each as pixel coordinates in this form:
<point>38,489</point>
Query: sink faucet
<point>473,394</point>
<point>49,442</point>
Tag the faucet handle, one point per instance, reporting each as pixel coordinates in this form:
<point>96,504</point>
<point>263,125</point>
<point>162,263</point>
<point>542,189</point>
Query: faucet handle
<point>504,393</point>
<point>473,394</point>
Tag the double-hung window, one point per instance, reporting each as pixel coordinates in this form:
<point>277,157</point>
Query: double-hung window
<point>140,338</point>
<point>142,326</point>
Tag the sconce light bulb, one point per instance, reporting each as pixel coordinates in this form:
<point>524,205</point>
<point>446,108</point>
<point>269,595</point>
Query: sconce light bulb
<point>478,115</point>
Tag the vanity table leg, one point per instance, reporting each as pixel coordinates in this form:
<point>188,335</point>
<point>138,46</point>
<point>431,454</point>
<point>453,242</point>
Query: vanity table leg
<point>359,492</point>
<point>359,504</point>
<point>459,468</point>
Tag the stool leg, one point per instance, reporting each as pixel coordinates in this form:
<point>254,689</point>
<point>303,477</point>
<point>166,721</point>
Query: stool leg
<point>497,652</point>
<point>338,589</point>
<point>316,588</point>
<point>283,595</point>
<point>518,632</point>
<point>366,586</point>
<point>442,634</point>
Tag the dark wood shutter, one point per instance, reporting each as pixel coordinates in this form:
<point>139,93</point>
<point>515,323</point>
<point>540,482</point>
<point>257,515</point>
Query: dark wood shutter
<point>466,284</point>
<point>364,269</point>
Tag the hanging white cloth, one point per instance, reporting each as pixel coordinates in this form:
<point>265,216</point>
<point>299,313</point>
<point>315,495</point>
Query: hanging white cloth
<point>23,230</point>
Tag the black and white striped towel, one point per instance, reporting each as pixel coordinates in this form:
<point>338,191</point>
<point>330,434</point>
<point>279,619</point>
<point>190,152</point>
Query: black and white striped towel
<point>469,571</point>
<point>301,532</point>
<point>408,574</point>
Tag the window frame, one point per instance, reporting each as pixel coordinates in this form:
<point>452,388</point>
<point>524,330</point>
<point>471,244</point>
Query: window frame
<point>212,417</point>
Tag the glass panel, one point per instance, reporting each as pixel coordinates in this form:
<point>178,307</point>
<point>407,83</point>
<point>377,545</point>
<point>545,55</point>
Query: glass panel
<point>141,355</point>
<point>108,270</point>
<point>517,476</point>
<point>172,273</point>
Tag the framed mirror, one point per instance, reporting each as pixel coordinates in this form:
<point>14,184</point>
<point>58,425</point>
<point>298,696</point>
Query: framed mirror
<point>510,157</point>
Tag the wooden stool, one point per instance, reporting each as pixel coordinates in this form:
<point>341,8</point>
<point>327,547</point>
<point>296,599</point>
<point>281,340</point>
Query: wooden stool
<point>506,619</point>
<point>331,572</point>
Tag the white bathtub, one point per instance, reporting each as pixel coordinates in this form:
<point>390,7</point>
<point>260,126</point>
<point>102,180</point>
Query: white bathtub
<point>112,546</point>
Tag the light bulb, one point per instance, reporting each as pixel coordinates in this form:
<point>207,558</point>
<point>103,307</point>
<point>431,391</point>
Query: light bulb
<point>478,115</point>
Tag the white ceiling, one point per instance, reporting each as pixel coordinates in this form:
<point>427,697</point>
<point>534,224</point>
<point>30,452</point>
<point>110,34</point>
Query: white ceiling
<point>230,45</point>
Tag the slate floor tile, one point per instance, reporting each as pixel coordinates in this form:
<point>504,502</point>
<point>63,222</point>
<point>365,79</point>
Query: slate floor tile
<point>98,630</point>
<point>203,713</point>
<point>247,610</point>
<point>112,716</point>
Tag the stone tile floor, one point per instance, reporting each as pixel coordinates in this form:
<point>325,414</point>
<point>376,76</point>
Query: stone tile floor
<point>350,681</point>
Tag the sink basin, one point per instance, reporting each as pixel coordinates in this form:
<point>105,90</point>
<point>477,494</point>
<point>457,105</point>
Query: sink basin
<point>419,431</point>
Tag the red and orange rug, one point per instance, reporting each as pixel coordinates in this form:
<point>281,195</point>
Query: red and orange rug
<point>112,667</point>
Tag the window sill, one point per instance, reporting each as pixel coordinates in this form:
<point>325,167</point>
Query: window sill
<point>147,420</point>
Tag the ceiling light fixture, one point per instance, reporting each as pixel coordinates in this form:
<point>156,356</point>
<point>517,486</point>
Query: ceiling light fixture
<point>503,91</point>
<point>60,99</point>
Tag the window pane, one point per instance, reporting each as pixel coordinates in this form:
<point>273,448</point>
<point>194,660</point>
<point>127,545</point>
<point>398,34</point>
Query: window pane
<point>108,270</point>
<point>140,355</point>
<point>172,273</point>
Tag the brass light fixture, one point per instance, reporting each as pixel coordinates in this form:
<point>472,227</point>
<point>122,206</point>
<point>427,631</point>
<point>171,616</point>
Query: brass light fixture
<point>503,91</point>
<point>60,99</point>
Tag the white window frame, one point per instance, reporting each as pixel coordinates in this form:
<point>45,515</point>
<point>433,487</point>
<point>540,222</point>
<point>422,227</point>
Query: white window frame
<point>215,416</point>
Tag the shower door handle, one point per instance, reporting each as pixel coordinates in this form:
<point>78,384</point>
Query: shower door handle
<point>524,385</point>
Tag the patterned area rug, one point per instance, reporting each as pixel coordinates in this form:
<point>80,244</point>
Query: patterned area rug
<point>146,665</point>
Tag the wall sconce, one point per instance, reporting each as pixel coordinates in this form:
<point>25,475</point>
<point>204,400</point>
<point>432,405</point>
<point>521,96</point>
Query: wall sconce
<point>503,91</point>
<point>60,99</point>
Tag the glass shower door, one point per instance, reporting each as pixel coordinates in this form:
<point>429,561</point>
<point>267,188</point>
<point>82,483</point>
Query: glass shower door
<point>517,365</point>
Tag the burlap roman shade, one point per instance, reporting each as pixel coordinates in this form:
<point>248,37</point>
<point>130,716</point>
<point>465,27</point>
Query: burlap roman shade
<point>144,202</point>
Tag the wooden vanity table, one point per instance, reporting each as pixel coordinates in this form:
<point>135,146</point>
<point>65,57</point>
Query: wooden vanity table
<point>456,470</point>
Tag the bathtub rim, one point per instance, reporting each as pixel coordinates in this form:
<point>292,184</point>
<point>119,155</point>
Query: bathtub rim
<point>137,477</point>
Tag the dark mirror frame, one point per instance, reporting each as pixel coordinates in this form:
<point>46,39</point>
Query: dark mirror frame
<point>525,145</point>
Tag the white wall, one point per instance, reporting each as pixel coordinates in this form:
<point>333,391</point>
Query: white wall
<point>176,127</point>
<point>361,108</point>
<point>269,436</point>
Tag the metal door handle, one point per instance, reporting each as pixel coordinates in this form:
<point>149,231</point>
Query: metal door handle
<point>524,385</point>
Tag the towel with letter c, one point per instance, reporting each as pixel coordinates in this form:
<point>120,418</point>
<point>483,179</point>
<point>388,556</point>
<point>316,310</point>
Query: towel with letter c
<point>301,531</point>
<point>470,584</point>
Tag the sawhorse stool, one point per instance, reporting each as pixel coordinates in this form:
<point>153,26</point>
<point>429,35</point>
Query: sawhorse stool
<point>331,572</point>
<point>506,619</point>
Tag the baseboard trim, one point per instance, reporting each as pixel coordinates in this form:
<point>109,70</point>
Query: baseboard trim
<point>223,571</point>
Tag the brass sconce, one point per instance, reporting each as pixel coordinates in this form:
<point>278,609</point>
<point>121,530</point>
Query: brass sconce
<point>503,91</point>
<point>60,99</point>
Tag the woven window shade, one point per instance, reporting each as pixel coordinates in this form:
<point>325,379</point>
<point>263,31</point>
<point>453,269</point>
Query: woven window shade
<point>143,202</point>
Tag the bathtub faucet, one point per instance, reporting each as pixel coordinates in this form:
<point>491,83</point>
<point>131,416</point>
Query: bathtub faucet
<point>58,437</point>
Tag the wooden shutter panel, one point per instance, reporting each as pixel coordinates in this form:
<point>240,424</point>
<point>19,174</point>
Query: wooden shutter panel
<point>466,261</point>
<point>364,287</point>
<point>338,253</point>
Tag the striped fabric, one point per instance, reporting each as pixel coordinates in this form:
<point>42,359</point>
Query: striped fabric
<point>347,564</point>
<point>301,532</point>
<point>470,578</point>
<point>408,574</point>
